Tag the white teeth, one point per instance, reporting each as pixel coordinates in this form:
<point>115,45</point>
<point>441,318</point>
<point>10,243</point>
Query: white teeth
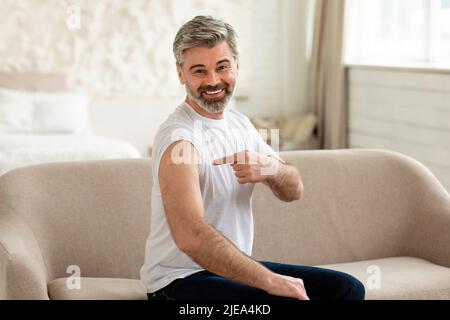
<point>213,92</point>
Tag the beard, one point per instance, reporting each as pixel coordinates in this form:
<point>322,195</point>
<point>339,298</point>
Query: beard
<point>211,105</point>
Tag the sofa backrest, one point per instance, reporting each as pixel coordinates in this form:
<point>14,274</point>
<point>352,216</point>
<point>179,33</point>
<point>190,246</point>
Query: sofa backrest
<point>90,214</point>
<point>358,204</point>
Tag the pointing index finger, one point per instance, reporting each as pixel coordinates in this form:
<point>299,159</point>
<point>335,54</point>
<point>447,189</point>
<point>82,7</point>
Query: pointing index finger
<point>232,159</point>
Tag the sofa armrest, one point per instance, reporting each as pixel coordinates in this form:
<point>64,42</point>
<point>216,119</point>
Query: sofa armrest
<point>22,269</point>
<point>430,230</point>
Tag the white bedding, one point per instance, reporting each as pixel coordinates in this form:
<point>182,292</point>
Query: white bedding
<point>17,149</point>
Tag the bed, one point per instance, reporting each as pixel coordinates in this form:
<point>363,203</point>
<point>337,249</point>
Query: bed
<point>40,121</point>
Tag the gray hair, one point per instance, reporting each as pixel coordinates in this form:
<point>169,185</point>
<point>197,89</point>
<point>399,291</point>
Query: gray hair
<point>204,31</point>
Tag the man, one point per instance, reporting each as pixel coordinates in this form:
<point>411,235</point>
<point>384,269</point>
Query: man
<point>206,161</point>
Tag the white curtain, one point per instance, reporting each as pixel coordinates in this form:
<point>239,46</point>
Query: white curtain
<point>327,90</point>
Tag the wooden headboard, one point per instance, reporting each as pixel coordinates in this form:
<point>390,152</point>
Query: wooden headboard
<point>51,82</point>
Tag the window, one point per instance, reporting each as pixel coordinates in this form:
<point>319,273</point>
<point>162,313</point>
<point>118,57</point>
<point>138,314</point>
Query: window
<point>444,30</point>
<point>398,31</point>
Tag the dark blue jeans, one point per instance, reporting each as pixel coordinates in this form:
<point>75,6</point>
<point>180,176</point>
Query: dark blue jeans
<point>320,284</point>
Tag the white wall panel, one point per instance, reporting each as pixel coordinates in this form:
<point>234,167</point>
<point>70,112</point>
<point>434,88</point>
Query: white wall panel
<point>403,110</point>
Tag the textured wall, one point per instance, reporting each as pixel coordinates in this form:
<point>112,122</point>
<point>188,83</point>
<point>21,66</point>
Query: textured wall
<point>122,48</point>
<point>123,51</point>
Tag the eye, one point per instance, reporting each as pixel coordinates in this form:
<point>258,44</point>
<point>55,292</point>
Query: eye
<point>200,71</point>
<point>222,68</point>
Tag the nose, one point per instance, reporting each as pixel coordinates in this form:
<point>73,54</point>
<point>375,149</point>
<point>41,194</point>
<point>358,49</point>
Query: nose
<point>213,79</point>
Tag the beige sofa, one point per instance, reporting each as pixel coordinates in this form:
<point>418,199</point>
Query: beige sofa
<point>377,215</point>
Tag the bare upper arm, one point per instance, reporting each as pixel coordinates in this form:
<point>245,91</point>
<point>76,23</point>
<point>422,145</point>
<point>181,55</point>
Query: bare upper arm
<point>180,190</point>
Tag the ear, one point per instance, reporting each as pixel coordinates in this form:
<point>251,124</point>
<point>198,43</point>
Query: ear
<point>237,65</point>
<point>180,75</point>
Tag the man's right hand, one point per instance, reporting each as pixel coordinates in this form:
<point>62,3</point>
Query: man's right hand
<point>285,286</point>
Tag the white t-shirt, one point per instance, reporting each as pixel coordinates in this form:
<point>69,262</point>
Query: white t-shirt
<point>227,203</point>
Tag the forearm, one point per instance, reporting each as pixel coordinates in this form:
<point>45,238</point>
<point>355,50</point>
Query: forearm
<point>286,184</point>
<point>217,254</point>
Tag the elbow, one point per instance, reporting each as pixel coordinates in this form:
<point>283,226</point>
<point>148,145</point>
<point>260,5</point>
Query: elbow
<point>297,194</point>
<point>187,240</point>
<point>185,244</point>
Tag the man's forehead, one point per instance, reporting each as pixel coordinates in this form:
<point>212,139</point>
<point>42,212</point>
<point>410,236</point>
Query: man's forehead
<point>208,56</point>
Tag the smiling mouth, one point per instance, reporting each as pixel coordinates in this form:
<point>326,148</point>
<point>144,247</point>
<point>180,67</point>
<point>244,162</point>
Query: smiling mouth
<point>213,94</point>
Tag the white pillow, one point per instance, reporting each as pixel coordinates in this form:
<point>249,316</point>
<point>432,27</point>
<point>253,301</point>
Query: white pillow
<point>43,112</point>
<point>16,112</point>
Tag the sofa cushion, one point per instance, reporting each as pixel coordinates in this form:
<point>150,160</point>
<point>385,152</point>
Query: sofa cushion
<point>97,289</point>
<point>401,278</point>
